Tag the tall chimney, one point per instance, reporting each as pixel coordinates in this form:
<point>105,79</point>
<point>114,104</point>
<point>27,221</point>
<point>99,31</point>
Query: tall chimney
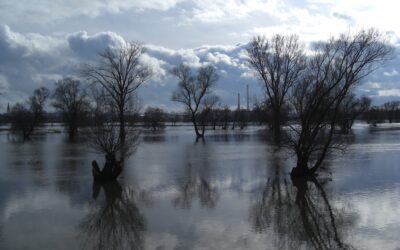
<point>238,101</point>
<point>247,97</point>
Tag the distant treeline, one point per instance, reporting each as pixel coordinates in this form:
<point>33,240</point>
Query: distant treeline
<point>156,118</point>
<point>219,118</point>
<point>387,112</point>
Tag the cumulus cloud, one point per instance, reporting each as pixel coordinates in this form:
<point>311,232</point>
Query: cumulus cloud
<point>27,64</point>
<point>84,45</point>
<point>191,23</point>
<point>30,60</point>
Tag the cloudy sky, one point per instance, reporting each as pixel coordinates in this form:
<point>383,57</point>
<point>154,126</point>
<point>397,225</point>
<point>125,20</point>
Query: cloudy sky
<point>41,41</point>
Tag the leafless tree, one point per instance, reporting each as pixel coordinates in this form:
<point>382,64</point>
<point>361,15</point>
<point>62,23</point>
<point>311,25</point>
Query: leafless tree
<point>351,108</point>
<point>103,136</point>
<point>154,118</point>
<point>26,117</point>
<point>120,72</point>
<point>195,92</point>
<point>209,103</point>
<point>390,109</point>
<point>333,70</point>
<point>72,101</point>
<point>279,63</point>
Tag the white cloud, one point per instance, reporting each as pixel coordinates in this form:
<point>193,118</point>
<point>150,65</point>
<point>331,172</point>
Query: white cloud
<point>28,64</point>
<point>373,85</point>
<point>211,11</point>
<point>38,11</point>
<point>84,45</point>
<point>156,65</point>
<point>391,73</point>
<point>389,92</point>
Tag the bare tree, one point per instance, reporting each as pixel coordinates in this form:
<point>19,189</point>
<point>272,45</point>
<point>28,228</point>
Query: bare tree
<point>350,109</point>
<point>104,134</point>
<point>120,72</point>
<point>26,117</point>
<point>279,63</point>
<point>21,120</point>
<point>195,92</point>
<point>73,103</point>
<point>154,118</point>
<point>333,70</point>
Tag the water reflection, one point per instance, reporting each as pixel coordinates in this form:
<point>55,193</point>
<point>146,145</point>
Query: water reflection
<point>154,136</point>
<point>300,214</point>
<point>195,186</point>
<point>116,222</point>
<point>46,196</point>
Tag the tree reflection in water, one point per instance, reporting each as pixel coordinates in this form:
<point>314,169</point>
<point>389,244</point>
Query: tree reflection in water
<point>195,186</point>
<point>115,223</point>
<point>300,216</point>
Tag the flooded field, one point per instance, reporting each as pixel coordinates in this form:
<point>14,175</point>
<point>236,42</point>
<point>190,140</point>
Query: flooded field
<point>231,191</point>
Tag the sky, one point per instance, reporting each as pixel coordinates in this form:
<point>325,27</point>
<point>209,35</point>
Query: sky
<point>42,41</point>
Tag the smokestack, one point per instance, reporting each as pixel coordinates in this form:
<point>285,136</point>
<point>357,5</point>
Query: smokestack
<point>238,101</point>
<point>247,97</point>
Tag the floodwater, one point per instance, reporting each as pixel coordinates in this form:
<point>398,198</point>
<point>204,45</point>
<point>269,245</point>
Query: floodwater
<point>231,191</point>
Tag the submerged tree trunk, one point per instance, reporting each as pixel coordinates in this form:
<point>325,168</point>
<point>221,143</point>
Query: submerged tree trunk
<point>122,125</point>
<point>196,129</point>
<point>301,169</point>
<point>276,125</point>
<point>72,130</point>
<point>110,171</point>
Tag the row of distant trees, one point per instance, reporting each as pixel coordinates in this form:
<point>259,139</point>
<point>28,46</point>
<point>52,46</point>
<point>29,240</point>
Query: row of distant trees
<point>77,106</point>
<point>75,109</point>
<point>387,112</point>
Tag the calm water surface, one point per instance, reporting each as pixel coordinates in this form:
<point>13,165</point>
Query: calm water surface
<point>231,191</point>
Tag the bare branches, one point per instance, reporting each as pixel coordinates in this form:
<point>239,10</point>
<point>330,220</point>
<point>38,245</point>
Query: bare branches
<point>333,70</point>
<point>72,101</point>
<point>279,63</point>
<point>120,72</point>
<point>104,138</point>
<point>25,118</point>
<point>194,91</point>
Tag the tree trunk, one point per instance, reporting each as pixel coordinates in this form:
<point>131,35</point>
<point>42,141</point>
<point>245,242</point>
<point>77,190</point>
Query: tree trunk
<point>72,129</point>
<point>276,124</point>
<point>122,125</point>
<point>196,129</point>
<point>71,133</point>
<point>301,169</point>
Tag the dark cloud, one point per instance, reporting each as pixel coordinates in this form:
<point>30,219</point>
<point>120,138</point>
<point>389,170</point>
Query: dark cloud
<point>10,47</point>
